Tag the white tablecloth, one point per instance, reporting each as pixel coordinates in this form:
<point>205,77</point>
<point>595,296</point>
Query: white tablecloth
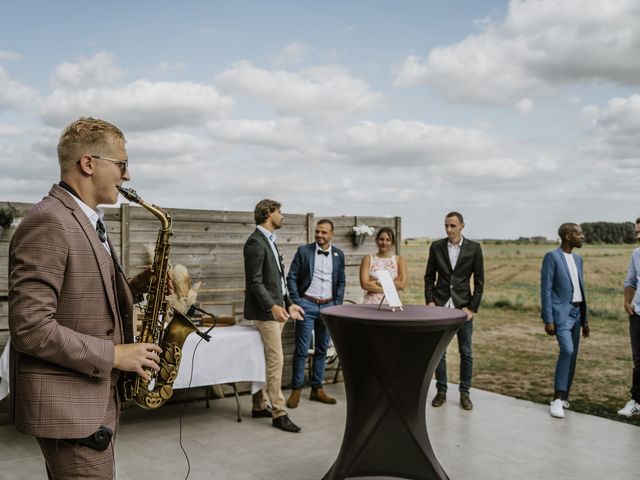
<point>234,354</point>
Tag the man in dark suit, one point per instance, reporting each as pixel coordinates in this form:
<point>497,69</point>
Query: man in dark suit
<point>316,280</point>
<point>447,283</point>
<point>564,309</point>
<point>267,303</point>
<point>70,309</point>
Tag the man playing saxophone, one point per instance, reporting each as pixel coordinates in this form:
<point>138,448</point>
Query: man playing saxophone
<point>70,310</point>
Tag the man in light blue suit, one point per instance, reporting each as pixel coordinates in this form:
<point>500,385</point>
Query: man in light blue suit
<point>316,281</point>
<point>564,309</point>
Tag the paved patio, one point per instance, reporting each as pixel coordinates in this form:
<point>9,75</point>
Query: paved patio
<point>502,438</point>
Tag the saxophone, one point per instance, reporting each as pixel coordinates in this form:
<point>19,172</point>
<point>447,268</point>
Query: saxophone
<point>154,393</point>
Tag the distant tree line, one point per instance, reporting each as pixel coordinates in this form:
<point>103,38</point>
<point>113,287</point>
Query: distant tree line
<point>609,232</point>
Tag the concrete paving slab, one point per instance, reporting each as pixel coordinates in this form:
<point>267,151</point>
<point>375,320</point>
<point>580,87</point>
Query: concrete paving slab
<point>502,438</point>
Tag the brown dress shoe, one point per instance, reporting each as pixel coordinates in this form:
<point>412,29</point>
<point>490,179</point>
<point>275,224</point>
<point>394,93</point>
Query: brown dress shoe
<point>294,398</point>
<point>319,395</point>
<point>439,399</point>
<point>465,401</point>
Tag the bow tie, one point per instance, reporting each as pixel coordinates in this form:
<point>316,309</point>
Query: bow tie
<point>323,252</point>
<point>102,231</point>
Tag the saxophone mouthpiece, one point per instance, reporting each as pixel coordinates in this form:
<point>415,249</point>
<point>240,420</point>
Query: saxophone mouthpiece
<point>130,194</point>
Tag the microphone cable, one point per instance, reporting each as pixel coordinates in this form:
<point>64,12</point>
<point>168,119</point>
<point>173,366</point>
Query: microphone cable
<point>206,337</point>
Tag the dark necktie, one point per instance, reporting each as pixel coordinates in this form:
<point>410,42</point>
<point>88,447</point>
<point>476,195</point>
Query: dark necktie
<point>323,252</point>
<point>102,231</point>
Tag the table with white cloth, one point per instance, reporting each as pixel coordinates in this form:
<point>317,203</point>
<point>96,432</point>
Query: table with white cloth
<point>234,354</point>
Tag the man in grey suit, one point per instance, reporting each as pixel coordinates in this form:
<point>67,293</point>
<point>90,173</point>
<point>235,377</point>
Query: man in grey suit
<point>70,310</point>
<point>447,283</point>
<point>267,303</point>
<point>564,309</point>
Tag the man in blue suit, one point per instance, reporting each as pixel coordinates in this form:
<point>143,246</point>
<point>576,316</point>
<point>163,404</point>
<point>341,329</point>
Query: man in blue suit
<point>316,280</point>
<point>564,309</point>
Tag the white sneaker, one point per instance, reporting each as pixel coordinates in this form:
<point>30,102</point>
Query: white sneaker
<point>630,409</point>
<point>566,405</point>
<point>556,409</point>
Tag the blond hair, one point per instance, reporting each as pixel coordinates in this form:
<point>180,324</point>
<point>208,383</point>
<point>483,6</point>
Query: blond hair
<point>83,136</point>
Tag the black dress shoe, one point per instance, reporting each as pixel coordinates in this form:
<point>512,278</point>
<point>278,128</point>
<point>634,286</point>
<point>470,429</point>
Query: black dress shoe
<point>284,423</point>
<point>264,413</point>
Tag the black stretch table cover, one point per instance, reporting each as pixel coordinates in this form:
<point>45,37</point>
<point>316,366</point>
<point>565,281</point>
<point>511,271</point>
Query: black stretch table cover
<point>388,359</point>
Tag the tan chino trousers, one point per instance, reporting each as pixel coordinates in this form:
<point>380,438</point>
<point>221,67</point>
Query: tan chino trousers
<point>271,334</point>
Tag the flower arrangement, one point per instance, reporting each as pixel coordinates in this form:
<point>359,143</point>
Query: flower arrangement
<point>360,232</point>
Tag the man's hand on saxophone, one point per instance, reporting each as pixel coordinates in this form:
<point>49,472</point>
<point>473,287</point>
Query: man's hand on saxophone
<point>135,357</point>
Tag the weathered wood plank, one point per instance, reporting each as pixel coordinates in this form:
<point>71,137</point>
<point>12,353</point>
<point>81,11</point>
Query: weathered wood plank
<point>4,315</point>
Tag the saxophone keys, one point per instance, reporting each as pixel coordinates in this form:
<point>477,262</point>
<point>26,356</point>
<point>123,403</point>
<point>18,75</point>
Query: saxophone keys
<point>168,373</point>
<point>166,391</point>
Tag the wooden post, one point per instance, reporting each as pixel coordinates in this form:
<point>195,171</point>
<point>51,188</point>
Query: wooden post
<point>124,237</point>
<point>311,227</point>
<point>398,235</point>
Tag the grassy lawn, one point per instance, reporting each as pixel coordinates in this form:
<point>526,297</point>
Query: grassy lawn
<point>513,355</point>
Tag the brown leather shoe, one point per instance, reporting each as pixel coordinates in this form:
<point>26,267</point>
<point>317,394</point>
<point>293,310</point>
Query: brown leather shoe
<point>465,401</point>
<point>294,398</point>
<point>439,399</point>
<point>319,395</point>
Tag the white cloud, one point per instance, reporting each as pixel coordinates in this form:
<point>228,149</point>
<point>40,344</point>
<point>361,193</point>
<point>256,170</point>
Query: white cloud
<point>159,145</point>
<point>141,105</point>
<point>293,53</point>
<point>315,92</point>
<point>8,55</point>
<point>524,106</point>
<point>100,69</point>
<point>15,95</point>
<point>281,133</point>
<point>538,46</point>
<point>403,143</point>
<point>168,66</point>
<point>616,129</point>
<point>7,130</point>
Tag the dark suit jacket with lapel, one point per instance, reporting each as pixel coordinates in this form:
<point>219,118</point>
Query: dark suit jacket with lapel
<point>301,272</point>
<point>441,282</point>
<point>556,287</point>
<point>62,317</point>
<point>263,279</point>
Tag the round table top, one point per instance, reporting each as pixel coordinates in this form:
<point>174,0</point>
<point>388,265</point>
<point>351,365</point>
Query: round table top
<point>417,315</point>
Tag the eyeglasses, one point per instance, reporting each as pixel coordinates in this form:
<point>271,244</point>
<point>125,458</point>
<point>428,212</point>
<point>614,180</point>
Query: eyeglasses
<point>123,164</point>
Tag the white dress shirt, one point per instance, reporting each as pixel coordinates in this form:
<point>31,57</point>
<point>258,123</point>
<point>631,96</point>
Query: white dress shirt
<point>93,216</point>
<point>573,273</point>
<point>454,253</point>
<point>272,243</point>
<point>321,282</point>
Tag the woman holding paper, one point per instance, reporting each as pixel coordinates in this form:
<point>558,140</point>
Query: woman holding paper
<point>385,259</point>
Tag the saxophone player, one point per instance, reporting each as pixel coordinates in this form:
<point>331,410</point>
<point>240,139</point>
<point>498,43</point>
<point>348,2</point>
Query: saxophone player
<point>70,310</point>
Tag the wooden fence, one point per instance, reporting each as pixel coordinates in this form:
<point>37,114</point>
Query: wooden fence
<point>209,243</point>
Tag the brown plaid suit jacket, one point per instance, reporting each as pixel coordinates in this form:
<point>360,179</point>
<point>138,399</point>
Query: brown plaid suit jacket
<point>62,314</point>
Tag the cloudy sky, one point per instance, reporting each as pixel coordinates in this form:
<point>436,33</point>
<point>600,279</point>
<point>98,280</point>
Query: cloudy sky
<point>520,114</point>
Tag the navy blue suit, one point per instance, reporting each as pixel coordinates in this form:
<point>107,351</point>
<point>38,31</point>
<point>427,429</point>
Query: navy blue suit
<point>556,293</point>
<point>298,282</point>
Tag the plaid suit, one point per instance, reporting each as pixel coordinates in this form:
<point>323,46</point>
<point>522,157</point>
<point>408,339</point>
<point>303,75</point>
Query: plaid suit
<point>67,307</point>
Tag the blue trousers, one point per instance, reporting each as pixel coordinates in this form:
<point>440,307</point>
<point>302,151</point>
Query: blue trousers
<point>466,361</point>
<point>304,329</point>
<point>568,336</point>
<point>634,333</point>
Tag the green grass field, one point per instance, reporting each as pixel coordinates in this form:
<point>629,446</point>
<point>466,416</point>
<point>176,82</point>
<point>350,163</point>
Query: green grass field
<point>513,355</point>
